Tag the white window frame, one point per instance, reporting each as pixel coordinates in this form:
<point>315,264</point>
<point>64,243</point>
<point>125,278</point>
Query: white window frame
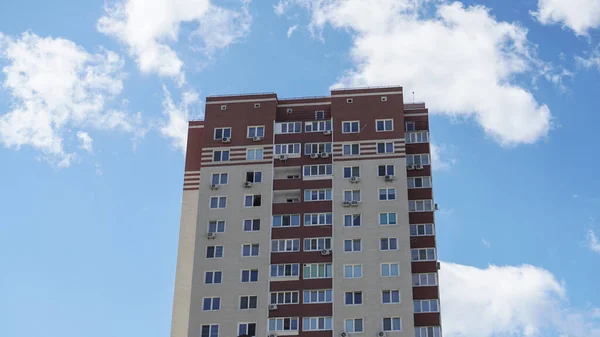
<point>418,305</point>
<point>384,126</point>
<point>327,270</point>
<point>319,113</point>
<point>387,170</point>
<point>252,223</point>
<point>430,254</point>
<point>320,244</point>
<point>323,219</point>
<point>251,247</point>
<point>352,245</point>
<point>424,227</point>
<point>423,159</point>
<point>246,331</point>
<point>352,219</point>
<point>256,128</point>
<point>309,147</point>
<point>386,148</point>
<point>248,300</point>
<point>327,194</point>
<point>290,149</point>
<point>296,127</point>
<point>258,153</point>
<point>218,198</point>
<point>425,182</point>
<point>420,205</point>
<point>388,217</point>
<point>249,275</point>
<point>215,252</point>
<point>254,180</point>
<point>211,327</point>
<point>354,195</point>
<point>283,216</point>
<point>387,194</point>
<point>212,301</point>
<point>284,271</point>
<point>253,200</point>
<point>212,277</point>
<point>351,124</point>
<point>417,137</point>
<point>352,171</point>
<point>327,296</point>
<point>222,132</point>
<point>217,224</point>
<point>318,126</point>
<point>326,320</point>
<point>282,320</point>
<point>391,295</point>
<point>285,245</point>
<point>389,240</point>
<point>392,328</point>
<point>353,302</point>
<point>354,330</point>
<point>353,268</point>
<point>424,280</point>
<point>428,331</point>
<point>389,268</point>
<point>412,128</point>
<point>221,152</point>
<point>220,180</point>
<point>350,147</point>
<point>285,294</point>
<point>326,168</point>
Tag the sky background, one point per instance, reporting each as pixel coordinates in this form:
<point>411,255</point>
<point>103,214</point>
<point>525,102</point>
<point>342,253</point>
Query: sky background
<point>93,108</point>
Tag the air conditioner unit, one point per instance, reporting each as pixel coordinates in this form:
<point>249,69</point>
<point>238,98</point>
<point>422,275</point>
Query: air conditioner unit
<point>389,178</point>
<point>314,155</point>
<point>226,140</point>
<point>439,266</point>
<point>257,139</point>
<point>354,179</point>
<point>381,333</point>
<point>283,157</point>
<point>343,334</point>
<point>354,203</point>
<point>211,235</point>
<point>324,155</point>
<point>272,306</point>
<point>410,167</point>
<point>346,203</point>
<point>418,167</point>
<point>214,186</point>
<point>326,252</point>
<point>247,184</point>
<point>327,132</point>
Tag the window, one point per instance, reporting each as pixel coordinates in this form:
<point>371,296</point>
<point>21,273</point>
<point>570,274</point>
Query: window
<point>285,270</point>
<point>254,176</point>
<point>310,148</point>
<point>352,220</point>
<point>352,245</point>
<point>352,195</point>
<point>285,245</point>
<point>410,126</point>
<point>287,148</point>
<point>421,230</point>
<point>351,171</point>
<point>213,277</point>
<point>216,226</point>
<point>319,114</point>
<point>288,220</point>
<point>427,331</point>
<point>221,155</point>
<point>248,302</point>
<point>214,252</point>
<point>353,298</point>
<point>249,275</point>
<point>253,200</point>
<point>317,170</point>
<point>318,219</point>
<point>251,225</point>
<point>211,303</point>
<point>317,126</point>
<point>423,254</point>
<point>218,202</point>
<point>209,330</point>
<point>219,178</point>
<point>247,329</point>
<point>317,195</point>
<point>317,270</point>
<point>317,296</point>
<point>417,159</point>
<point>351,149</point>
<point>314,244</point>
<point>387,194</point>
<point>385,147</point>
<point>250,249</point>
<point>283,324</point>
<point>390,296</point>
<point>385,170</point>
<point>353,271</point>
<point>316,323</point>
<point>285,297</point>
<point>417,137</point>
<point>424,280</point>
<point>384,125</point>
<point>387,219</point>
<point>256,131</point>
<point>426,306</point>
<point>420,205</point>
<point>388,244</point>
<point>290,127</point>
<point>254,154</point>
<point>392,324</point>
<point>419,182</point>
<point>353,325</point>
<point>221,133</point>
<point>390,269</point>
<point>351,127</point>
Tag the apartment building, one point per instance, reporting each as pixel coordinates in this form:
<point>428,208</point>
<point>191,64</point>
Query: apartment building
<point>308,216</point>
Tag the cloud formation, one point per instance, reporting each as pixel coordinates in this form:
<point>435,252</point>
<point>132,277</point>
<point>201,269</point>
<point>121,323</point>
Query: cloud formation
<point>578,15</point>
<point>178,115</point>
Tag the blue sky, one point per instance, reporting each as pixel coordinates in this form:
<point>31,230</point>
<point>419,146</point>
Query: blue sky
<point>93,105</point>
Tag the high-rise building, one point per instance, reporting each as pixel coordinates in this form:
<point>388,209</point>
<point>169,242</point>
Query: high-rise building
<point>308,216</point>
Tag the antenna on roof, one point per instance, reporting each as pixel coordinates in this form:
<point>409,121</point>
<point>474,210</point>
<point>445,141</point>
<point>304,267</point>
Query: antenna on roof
<point>413,97</point>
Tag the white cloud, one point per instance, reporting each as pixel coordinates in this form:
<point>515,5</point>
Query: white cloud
<point>461,61</point>
<point>150,28</point>
<point>591,61</point>
<point>85,141</point>
<point>486,243</point>
<point>509,301</point>
<point>291,30</point>
<point>592,241</point>
<point>55,85</point>
<point>437,162</point>
<point>178,116</point>
<point>578,15</point>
